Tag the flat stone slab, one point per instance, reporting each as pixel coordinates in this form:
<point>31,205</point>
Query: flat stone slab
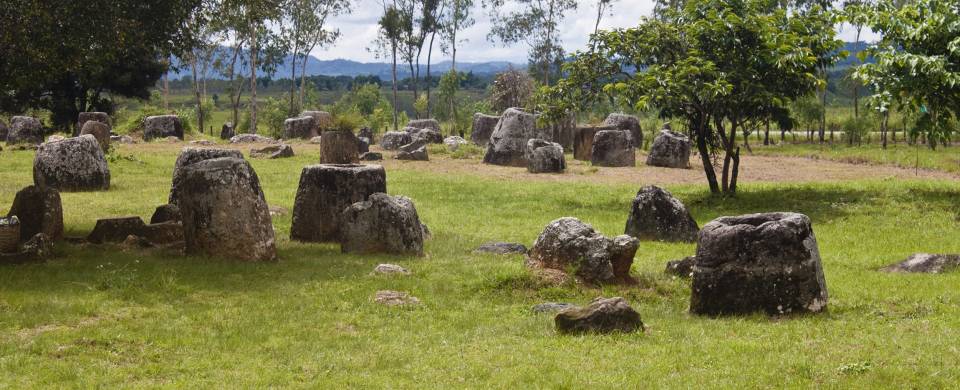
<point>395,298</point>
<point>390,269</point>
<point>501,248</point>
<point>925,263</point>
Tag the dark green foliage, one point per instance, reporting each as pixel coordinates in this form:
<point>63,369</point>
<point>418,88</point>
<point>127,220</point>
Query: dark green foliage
<point>69,56</point>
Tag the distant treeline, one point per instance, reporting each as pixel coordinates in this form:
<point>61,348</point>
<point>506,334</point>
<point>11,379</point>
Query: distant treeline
<point>470,81</point>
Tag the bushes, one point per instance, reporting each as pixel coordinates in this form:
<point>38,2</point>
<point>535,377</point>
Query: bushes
<point>511,88</point>
<point>856,129</point>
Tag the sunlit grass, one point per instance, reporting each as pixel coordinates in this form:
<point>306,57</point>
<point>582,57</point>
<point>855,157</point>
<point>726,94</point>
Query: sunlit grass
<point>112,317</point>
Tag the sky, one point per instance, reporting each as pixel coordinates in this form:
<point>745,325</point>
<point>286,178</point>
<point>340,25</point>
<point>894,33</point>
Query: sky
<point>359,30</point>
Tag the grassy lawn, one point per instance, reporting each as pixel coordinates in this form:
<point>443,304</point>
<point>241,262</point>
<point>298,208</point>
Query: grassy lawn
<point>900,154</point>
<point>108,316</point>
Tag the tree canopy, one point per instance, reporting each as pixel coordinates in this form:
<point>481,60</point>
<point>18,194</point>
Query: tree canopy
<point>64,56</point>
<point>917,62</point>
<point>718,65</point>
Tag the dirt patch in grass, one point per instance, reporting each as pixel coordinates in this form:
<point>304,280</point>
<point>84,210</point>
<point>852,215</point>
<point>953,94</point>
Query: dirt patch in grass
<point>753,169</point>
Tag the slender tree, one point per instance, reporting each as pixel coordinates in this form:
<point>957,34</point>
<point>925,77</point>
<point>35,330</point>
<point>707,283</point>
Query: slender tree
<point>388,44</point>
<point>720,65</point>
<point>536,23</point>
<point>455,19</point>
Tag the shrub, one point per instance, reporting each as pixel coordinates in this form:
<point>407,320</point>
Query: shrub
<point>511,88</point>
<point>856,129</point>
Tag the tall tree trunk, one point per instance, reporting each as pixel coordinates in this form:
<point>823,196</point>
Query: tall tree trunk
<point>823,103</point>
<point>766,134</point>
<point>303,77</point>
<point>702,131</point>
<point>253,80</point>
<point>413,85</point>
<point>596,26</point>
<point>429,81</point>
<point>856,84</point>
<point>453,67</point>
<point>196,91</point>
<point>166,92</point>
<point>293,81</point>
<point>396,118</point>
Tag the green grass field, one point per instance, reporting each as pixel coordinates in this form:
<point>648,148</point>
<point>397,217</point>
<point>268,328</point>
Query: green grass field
<point>109,316</point>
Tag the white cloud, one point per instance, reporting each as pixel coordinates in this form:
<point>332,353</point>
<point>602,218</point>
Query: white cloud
<point>359,31</point>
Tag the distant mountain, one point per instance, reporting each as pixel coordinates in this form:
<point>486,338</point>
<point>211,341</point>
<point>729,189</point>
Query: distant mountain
<point>342,67</point>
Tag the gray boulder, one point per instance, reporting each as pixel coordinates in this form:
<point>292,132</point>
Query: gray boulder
<point>427,135</point>
<point>115,229</point>
<point>38,248</point>
<point>272,151</point>
<point>321,119</point>
<point>74,164</point>
<point>251,139</point>
<point>100,131</point>
<point>190,156</point>
<point>926,263</point>
<point>544,157</point>
<point>382,224</point>
<point>416,151</point>
<point>613,148</point>
<point>626,122</point>
<point>602,315</point>
<point>425,124</point>
<point>224,211</point>
<point>39,211</point>
<point>166,213</point>
<point>566,244</point>
<point>670,149</point>
<point>758,263</point>
<point>363,145</point>
<point>304,127</point>
<point>483,126</point>
<point>162,126</point>
<point>85,117</point>
<point>371,156</point>
<point>564,130</point>
<point>682,268</point>
<point>339,147</point>
<point>227,131</point>
<point>453,142</point>
<point>324,192</point>
<point>25,130</point>
<point>657,215</point>
<point>393,140</point>
<point>508,143</point>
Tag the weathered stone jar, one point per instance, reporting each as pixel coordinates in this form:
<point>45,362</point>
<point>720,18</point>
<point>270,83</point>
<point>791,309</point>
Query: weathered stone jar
<point>758,263</point>
<point>325,190</point>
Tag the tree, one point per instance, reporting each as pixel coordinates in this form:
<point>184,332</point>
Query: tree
<point>305,29</point>
<point>854,12</point>
<point>719,65</point>
<point>251,19</point>
<point>419,19</point>
<point>431,23</point>
<point>603,6</point>
<point>388,42</point>
<point>511,88</point>
<point>202,52</point>
<point>455,19</point>
<point>52,58</point>
<point>917,63</point>
<point>534,22</point>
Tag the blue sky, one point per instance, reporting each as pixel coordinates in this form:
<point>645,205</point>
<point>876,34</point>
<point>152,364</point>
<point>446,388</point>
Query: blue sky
<point>359,30</point>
